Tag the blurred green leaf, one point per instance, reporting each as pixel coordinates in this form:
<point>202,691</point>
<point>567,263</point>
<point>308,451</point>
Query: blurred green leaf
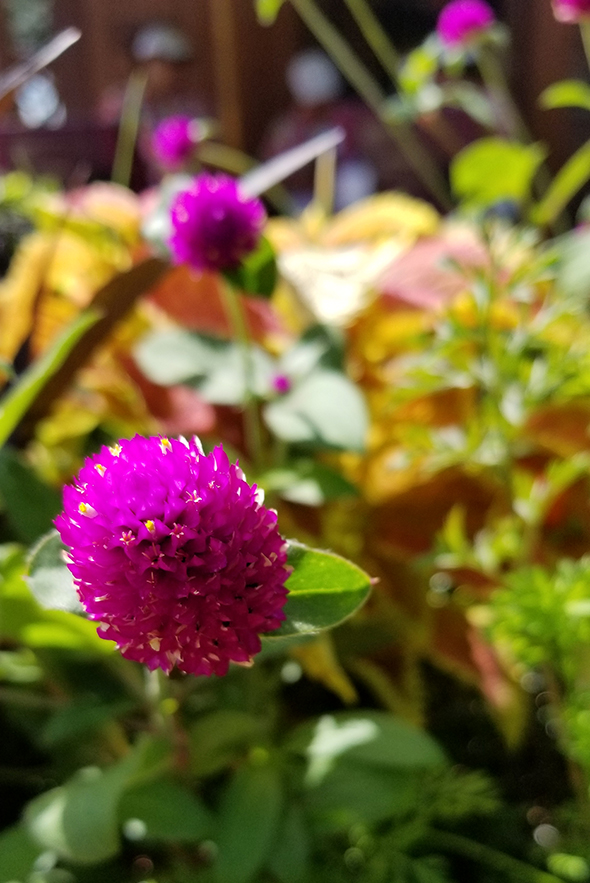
<point>570,867</point>
<point>249,816</point>
<point>257,274</point>
<point>29,504</point>
<point>214,366</point>
<point>492,170</point>
<point>307,483</point>
<point>80,718</point>
<point>49,578</point>
<point>17,854</point>
<point>566,93</point>
<point>165,811</point>
<point>15,403</point>
<point>267,10</point>
<point>324,590</point>
<point>291,856</point>
<point>79,820</point>
<point>376,738</point>
<point>220,738</point>
<point>326,408</point>
<point>565,185</point>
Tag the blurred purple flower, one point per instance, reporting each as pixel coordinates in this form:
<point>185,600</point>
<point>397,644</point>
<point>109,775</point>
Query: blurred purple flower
<point>281,384</point>
<point>572,11</point>
<point>173,553</point>
<point>174,140</point>
<point>461,20</point>
<point>214,225</point>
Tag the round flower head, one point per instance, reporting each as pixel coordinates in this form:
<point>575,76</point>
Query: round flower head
<point>572,11</point>
<point>214,225</point>
<point>461,20</point>
<point>174,554</point>
<point>174,140</point>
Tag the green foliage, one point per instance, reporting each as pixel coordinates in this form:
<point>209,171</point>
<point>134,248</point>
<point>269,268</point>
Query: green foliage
<point>257,274</point>
<point>566,93</point>
<point>493,170</point>
<point>267,10</point>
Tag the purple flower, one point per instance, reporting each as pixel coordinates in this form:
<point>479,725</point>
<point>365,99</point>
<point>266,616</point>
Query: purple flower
<point>174,140</point>
<point>572,11</point>
<point>214,225</point>
<point>173,553</point>
<point>461,20</point>
<point>281,384</point>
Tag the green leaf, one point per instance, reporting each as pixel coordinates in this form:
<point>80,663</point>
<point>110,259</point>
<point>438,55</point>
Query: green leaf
<point>214,366</point>
<point>222,737</point>
<point>248,820</point>
<point>307,483</point>
<point>566,93</point>
<point>30,505</point>
<point>267,10</point>
<point>257,274</point>
<point>17,854</point>
<point>326,408</point>
<point>375,738</point>
<point>569,180</point>
<point>164,811</point>
<point>79,820</point>
<point>324,590</point>
<point>15,403</point>
<point>79,719</point>
<point>49,578</point>
<point>320,345</point>
<point>494,169</point>
<point>290,857</point>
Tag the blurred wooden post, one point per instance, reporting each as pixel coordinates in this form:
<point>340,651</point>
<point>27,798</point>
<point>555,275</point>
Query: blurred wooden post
<point>225,55</point>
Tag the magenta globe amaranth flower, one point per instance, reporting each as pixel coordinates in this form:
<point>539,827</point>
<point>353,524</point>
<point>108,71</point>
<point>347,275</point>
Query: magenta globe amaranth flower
<point>214,225</point>
<point>462,20</point>
<point>174,140</point>
<point>173,553</point>
<point>572,11</point>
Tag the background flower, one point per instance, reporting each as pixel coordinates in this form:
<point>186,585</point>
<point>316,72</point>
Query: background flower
<point>460,20</point>
<point>174,554</point>
<point>572,11</point>
<point>174,140</point>
<point>214,225</point>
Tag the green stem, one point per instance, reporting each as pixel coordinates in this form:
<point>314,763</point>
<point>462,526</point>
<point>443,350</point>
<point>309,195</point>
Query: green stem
<point>486,855</point>
<point>376,37</point>
<point>237,319</point>
<point>494,78</point>
<point>129,128</point>
<point>360,78</point>
<point>585,32</point>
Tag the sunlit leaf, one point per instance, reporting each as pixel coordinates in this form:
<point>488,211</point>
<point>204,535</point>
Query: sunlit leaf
<point>49,578</point>
<point>14,404</point>
<point>494,169</point>
<point>324,590</point>
<point>566,93</point>
<point>325,408</point>
<point>569,180</point>
<point>267,10</point>
<point>257,274</point>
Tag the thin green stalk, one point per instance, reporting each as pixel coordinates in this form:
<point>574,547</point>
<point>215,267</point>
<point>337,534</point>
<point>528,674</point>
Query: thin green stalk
<point>585,32</point>
<point>513,868</point>
<point>360,78</point>
<point>494,78</point>
<point>324,189</point>
<point>237,319</point>
<point>129,128</point>
<point>376,37</point>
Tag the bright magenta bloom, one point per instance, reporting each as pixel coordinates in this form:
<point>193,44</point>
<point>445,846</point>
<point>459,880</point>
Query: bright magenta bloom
<point>174,140</point>
<point>572,11</point>
<point>461,20</point>
<point>173,553</point>
<point>214,225</point>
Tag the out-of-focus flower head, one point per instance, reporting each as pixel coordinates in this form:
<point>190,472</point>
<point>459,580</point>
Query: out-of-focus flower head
<point>214,225</point>
<point>572,11</point>
<point>174,140</point>
<point>462,20</point>
<point>173,553</point>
